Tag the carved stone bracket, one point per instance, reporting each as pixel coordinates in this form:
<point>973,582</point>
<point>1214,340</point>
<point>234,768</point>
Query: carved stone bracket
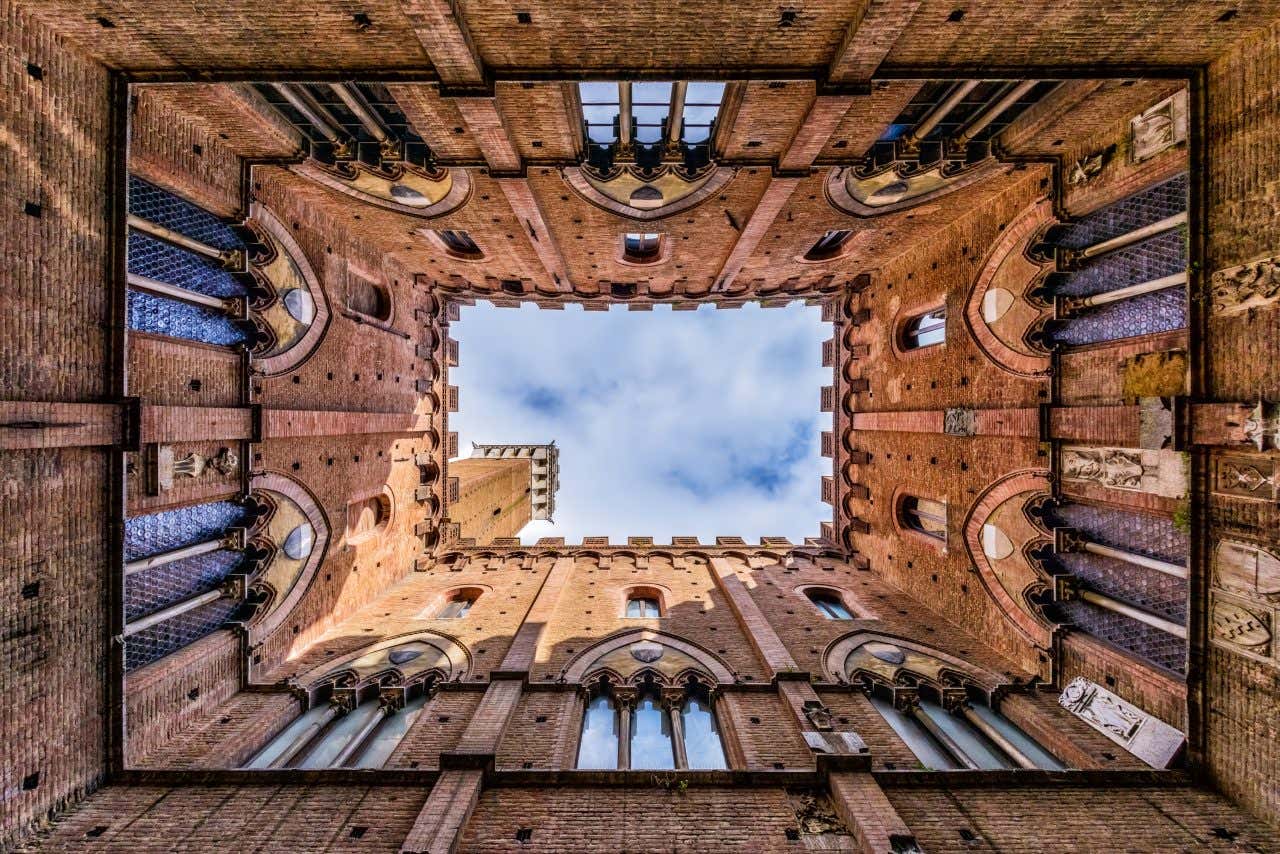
<point>818,714</point>
<point>1262,427</point>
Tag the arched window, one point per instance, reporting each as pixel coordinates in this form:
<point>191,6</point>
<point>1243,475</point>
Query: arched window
<point>829,603</point>
<point>368,517</point>
<point>925,516</point>
<point>459,243</point>
<point>598,747</point>
<point>367,297</point>
<point>457,605</point>
<point>701,735</point>
<point>330,736</point>
<point>828,245</point>
<point>650,732</point>
<point>641,605</point>
<point>925,330</point>
<point>960,735</point>
<point>641,247</point>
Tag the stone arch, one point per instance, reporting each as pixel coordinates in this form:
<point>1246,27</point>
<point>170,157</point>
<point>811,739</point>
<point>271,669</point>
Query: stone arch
<point>616,190</point>
<point>441,654</point>
<point>919,659</point>
<point>609,655</point>
<point>286,285</point>
<point>400,187</point>
<point>1008,275</point>
<point>1007,497</point>
<point>283,602</point>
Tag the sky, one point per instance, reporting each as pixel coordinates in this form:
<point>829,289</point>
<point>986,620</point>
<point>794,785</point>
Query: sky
<point>696,423</point>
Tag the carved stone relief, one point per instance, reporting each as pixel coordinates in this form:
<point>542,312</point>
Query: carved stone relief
<point>163,466</point>
<point>815,815</point>
<point>1252,285</point>
<point>1246,569</point>
<point>1159,472</point>
<point>1242,627</point>
<point>959,422</point>
<point>1158,128</point>
<point>1145,736</point>
<point>1246,477</point>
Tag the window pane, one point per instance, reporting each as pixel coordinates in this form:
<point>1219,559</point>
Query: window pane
<point>831,606</point>
<point>702,744</point>
<point>1020,739</point>
<point>651,92</point>
<point>931,756</point>
<point>651,736</point>
<point>927,329</point>
<point>648,133</point>
<point>599,746</point>
<point>602,134</point>
<point>278,744</point>
<point>600,114</point>
<point>700,115</point>
<point>973,743</point>
<point>598,92</point>
<point>694,134</point>
<point>341,731</point>
<point>704,92</point>
<point>387,737</point>
<point>634,608</point>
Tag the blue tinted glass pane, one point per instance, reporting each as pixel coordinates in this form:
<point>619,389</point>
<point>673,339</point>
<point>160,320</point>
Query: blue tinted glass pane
<point>694,134</point>
<point>650,93</point>
<point>917,737</point>
<point>1020,739</point>
<point>597,92</point>
<point>600,114</point>
<point>651,736</point>
<point>601,133</point>
<point>700,115</point>
<point>650,115</point>
<point>972,743</point>
<point>276,747</point>
<point>336,737</point>
<point>599,747</point>
<point>648,133</point>
<point>702,744</point>
<point>387,737</point>
<point>702,92</point>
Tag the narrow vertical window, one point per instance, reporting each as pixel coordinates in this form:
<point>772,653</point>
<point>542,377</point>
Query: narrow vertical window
<point>829,603</point>
<point>924,515</point>
<point>598,747</point>
<point>642,247</point>
<point>828,246</point>
<point>457,606</point>
<point>925,330</point>
<point>702,745</point>
<point>651,735</point>
<point>459,243</point>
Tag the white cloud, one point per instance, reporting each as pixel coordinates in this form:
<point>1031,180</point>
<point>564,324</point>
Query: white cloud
<point>669,423</point>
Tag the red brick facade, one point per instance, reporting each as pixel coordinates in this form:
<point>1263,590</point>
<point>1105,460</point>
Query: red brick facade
<point>972,484</point>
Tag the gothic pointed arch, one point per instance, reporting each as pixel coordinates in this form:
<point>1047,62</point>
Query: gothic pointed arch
<point>627,654</point>
<point>398,186</point>
<point>400,659</point>
<point>1003,303</point>
<point>887,658</point>
<point>291,537</point>
<point>288,306</point>
<point>643,194</point>
<point>998,535</point>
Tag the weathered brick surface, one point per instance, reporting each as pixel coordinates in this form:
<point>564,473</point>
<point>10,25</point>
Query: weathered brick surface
<point>1014,819</point>
<point>630,819</point>
<point>239,818</point>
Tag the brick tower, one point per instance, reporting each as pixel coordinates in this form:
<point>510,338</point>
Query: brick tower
<point>501,488</point>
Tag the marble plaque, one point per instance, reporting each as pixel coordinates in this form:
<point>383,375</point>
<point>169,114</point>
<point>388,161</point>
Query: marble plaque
<point>1145,736</point>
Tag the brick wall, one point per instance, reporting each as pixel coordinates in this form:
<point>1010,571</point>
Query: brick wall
<point>54,327</point>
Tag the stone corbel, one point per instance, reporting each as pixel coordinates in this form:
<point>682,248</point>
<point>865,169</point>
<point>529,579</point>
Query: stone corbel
<point>1262,426</point>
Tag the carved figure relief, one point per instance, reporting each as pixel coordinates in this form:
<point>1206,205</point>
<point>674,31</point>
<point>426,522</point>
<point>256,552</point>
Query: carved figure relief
<point>1145,736</point>
<point>1158,128</point>
<point>1159,472</point>
<point>1238,289</point>
<point>165,467</point>
<point>815,815</point>
<point>1107,466</point>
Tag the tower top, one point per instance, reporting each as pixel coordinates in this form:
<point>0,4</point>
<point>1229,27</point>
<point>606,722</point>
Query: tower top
<point>544,477</point>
